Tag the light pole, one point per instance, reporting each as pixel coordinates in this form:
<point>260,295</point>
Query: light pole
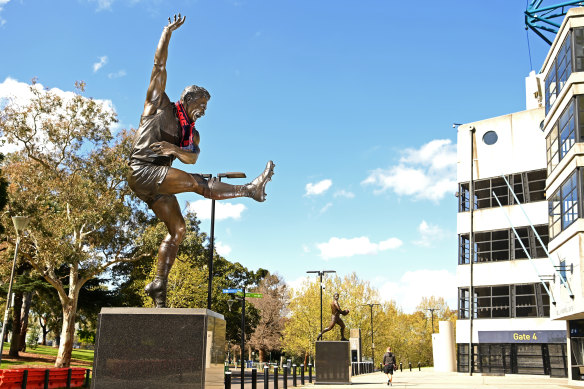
<point>230,302</point>
<point>20,223</point>
<point>432,312</point>
<point>212,236</point>
<point>320,274</point>
<point>371,305</point>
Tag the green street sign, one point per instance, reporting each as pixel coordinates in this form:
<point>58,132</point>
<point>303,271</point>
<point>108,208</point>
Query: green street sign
<point>256,295</point>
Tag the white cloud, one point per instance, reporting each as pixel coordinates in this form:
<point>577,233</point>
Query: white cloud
<point>326,207</point>
<point>2,4</point>
<point>223,210</point>
<point>318,188</point>
<point>19,94</point>
<point>98,65</point>
<point>344,193</point>
<point>414,285</point>
<point>222,249</point>
<point>426,173</point>
<point>429,233</point>
<point>343,247</point>
<point>118,74</point>
<point>305,249</point>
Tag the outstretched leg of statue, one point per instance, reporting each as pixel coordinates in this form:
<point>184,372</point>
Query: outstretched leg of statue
<point>330,327</point>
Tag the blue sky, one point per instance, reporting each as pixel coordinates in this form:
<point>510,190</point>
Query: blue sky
<point>353,100</point>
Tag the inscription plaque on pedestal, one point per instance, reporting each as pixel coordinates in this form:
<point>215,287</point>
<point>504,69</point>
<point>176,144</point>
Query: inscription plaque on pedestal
<point>147,348</point>
<point>333,362</point>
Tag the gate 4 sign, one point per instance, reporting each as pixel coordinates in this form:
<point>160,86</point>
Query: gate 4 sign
<point>522,336</point>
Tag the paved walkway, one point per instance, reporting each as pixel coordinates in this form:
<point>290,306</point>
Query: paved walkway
<point>427,378</point>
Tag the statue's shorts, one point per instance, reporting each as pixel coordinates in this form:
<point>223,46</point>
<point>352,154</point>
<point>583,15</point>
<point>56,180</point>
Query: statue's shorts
<point>145,178</point>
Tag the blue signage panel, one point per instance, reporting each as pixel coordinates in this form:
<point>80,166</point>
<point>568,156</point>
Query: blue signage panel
<point>522,336</point>
<point>231,290</point>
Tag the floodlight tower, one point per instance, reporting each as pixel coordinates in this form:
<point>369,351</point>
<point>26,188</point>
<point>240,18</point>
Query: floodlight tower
<point>540,19</point>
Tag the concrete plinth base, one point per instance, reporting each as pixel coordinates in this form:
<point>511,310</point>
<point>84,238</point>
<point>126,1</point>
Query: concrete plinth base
<point>333,363</point>
<point>159,348</point>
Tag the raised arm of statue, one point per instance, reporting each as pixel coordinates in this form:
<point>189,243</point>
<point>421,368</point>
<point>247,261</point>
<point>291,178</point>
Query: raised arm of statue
<point>158,76</point>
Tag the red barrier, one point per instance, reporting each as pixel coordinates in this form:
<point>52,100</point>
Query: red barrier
<point>12,378</point>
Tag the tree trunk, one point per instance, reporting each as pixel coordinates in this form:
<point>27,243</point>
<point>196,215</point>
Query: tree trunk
<point>262,355</point>
<point>305,358</point>
<point>45,330</point>
<point>67,331</point>
<point>26,302</point>
<point>14,342</point>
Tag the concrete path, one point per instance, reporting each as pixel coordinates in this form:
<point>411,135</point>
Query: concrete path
<point>427,378</point>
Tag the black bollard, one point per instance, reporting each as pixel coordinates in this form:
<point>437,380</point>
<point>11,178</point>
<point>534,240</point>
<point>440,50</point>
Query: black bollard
<point>401,368</point>
<point>419,366</point>
<point>310,373</point>
<point>227,380</point>
<point>69,378</point>
<point>47,379</point>
<point>254,378</point>
<point>302,374</point>
<point>275,377</point>
<point>410,365</point>
<point>266,377</point>
<point>87,374</point>
<point>294,375</point>
<point>285,377</point>
<point>24,379</point>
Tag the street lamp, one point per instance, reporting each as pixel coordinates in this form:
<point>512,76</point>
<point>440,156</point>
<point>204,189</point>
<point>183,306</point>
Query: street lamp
<point>372,344</point>
<point>320,274</point>
<point>212,237</point>
<point>20,223</point>
<point>432,311</point>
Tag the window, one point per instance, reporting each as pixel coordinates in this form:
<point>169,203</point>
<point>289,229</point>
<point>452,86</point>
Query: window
<point>559,73</point>
<point>568,130</point>
<point>490,138</point>
<point>563,207</point>
<point>503,245</point>
<point>505,301</point>
<point>527,186</point>
<point>463,303</point>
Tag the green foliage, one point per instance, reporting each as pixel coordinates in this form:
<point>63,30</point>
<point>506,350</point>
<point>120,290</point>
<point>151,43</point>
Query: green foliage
<point>86,336</point>
<point>32,339</point>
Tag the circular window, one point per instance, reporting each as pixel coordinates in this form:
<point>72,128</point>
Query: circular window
<point>490,138</point>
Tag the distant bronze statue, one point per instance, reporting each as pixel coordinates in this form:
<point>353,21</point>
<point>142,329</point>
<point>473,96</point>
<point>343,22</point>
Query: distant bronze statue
<point>336,318</point>
<point>167,131</point>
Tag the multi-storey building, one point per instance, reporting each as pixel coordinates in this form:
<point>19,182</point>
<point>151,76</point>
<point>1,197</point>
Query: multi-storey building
<point>512,332</point>
<point>563,128</point>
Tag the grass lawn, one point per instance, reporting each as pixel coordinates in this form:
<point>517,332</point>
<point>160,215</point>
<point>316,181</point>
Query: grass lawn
<point>44,356</point>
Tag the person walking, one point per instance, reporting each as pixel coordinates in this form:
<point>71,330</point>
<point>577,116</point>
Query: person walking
<point>389,365</point>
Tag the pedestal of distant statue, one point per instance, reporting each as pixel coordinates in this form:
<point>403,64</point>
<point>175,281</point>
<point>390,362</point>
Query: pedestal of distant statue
<point>145,348</point>
<point>333,362</point>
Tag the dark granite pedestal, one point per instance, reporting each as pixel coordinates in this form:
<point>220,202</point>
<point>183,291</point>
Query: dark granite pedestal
<point>333,363</point>
<point>151,348</point>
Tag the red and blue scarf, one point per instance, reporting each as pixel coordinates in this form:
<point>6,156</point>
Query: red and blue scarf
<point>188,128</point>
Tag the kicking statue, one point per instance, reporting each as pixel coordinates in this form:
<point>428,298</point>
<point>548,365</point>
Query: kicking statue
<point>167,131</point>
<point>336,318</point>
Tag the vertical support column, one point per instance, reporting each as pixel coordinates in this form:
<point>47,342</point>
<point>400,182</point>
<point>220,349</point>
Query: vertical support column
<point>266,377</point>
<point>310,373</point>
<point>285,377</point>
<point>294,383</point>
<point>227,380</point>
<point>302,374</point>
<point>275,377</point>
<point>254,378</point>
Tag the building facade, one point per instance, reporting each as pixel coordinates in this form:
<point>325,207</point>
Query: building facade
<point>563,85</point>
<point>511,326</point>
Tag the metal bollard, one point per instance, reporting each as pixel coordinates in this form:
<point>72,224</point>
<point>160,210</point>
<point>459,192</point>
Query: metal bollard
<point>310,373</point>
<point>401,368</point>
<point>410,364</point>
<point>275,377</point>
<point>419,367</point>
<point>227,380</point>
<point>266,377</point>
<point>46,379</point>
<point>302,374</point>
<point>87,374</point>
<point>285,377</point>
<point>254,378</point>
<point>24,379</point>
<point>69,379</point>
